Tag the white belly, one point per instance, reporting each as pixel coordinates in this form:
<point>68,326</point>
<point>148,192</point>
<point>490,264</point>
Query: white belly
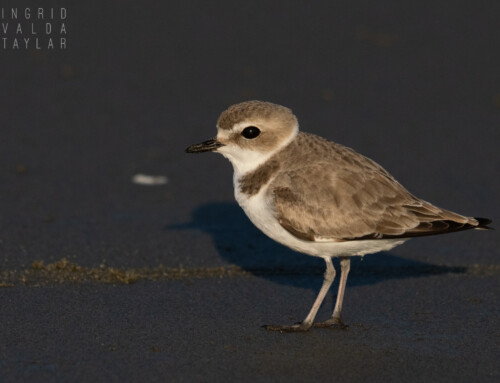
<point>260,211</point>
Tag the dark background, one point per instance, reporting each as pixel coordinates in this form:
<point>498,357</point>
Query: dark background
<point>413,85</point>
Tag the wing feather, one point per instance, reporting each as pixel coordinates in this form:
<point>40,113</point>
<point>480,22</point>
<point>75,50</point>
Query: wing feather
<point>349,197</point>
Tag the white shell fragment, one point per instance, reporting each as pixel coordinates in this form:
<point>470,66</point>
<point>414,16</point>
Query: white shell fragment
<point>144,179</point>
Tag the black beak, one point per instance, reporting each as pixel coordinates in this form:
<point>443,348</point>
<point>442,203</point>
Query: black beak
<point>205,146</point>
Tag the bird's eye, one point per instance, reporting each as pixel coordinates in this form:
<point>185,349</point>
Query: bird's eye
<point>250,132</point>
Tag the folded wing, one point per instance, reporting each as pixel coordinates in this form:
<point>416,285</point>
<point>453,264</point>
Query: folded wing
<point>352,201</point>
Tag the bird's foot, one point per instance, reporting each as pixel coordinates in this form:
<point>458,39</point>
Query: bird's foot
<point>332,323</point>
<point>298,327</point>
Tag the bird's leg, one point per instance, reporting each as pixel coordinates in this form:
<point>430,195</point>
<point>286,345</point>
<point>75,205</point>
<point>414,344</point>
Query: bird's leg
<point>329,276</point>
<point>345,266</point>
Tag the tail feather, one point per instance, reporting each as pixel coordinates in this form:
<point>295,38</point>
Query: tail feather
<point>483,223</point>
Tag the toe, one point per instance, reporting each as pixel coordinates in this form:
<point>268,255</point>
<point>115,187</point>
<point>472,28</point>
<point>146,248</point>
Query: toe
<point>331,323</point>
<point>300,327</point>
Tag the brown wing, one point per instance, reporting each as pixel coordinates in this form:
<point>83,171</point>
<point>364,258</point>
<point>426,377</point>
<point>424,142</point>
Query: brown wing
<point>354,200</point>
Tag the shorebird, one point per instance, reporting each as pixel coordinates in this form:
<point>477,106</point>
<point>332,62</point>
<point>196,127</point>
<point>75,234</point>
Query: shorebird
<point>318,197</point>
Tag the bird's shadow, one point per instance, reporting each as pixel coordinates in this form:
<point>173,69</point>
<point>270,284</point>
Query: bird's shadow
<point>240,243</point>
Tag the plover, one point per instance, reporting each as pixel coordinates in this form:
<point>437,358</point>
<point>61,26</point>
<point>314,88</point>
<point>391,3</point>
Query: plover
<point>318,197</point>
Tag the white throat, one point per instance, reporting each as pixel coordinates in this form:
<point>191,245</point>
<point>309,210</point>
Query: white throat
<point>245,161</point>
